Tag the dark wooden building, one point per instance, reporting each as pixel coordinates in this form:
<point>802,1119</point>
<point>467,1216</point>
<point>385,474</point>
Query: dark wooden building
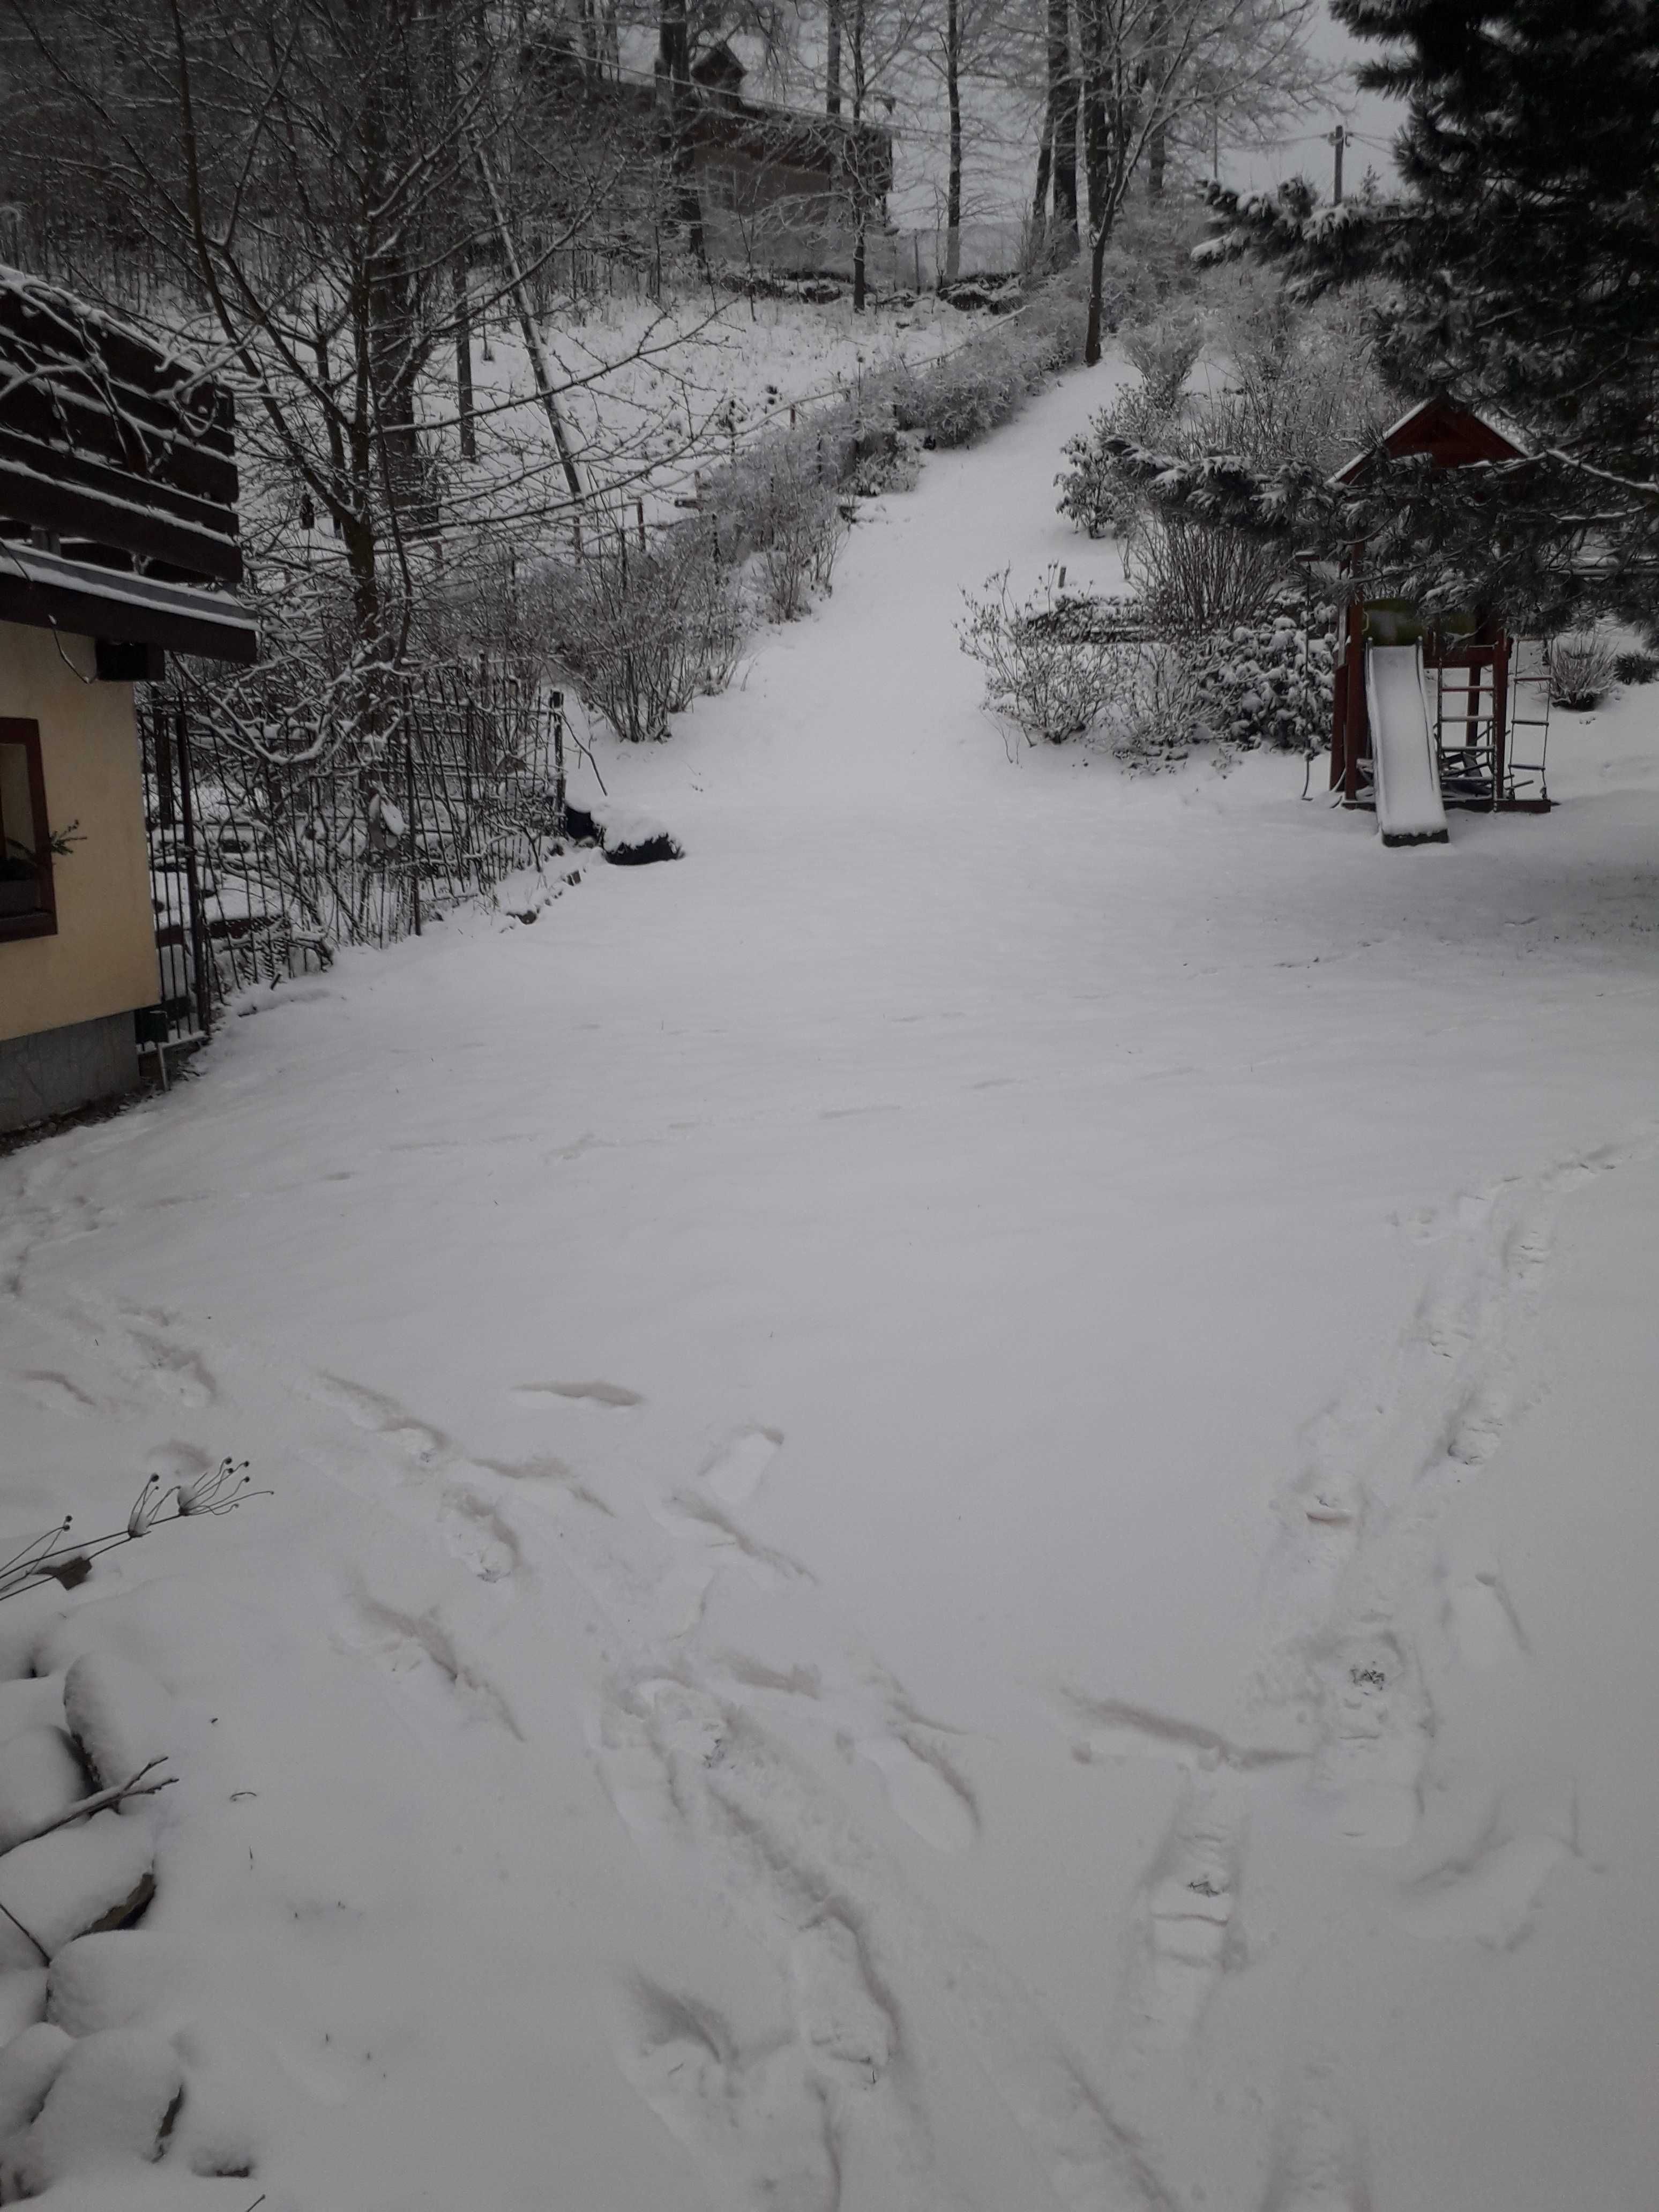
<point>119,544</point>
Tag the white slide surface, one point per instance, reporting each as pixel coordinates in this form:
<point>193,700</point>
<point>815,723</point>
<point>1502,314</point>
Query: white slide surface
<point>1405,771</point>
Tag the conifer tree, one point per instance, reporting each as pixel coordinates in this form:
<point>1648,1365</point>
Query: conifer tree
<point>1516,268</point>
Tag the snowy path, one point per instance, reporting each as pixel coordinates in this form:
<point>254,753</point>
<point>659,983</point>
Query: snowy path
<point>960,1517</point>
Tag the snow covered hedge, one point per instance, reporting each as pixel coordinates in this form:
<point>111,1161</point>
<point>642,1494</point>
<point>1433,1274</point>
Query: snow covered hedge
<point>1270,682</point>
<point>1061,665</point>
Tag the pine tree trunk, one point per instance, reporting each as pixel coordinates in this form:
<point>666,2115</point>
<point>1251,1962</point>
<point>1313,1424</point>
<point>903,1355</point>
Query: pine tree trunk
<point>832,60</point>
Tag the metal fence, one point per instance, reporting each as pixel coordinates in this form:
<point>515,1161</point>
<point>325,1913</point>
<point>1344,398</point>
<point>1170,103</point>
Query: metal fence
<point>263,868</point>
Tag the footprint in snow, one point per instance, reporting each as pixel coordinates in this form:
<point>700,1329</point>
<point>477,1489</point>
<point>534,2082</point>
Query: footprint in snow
<point>839,2017</point>
<point>734,1472</point>
<point>597,1393</point>
<point>1483,1622</point>
<point>1187,1939</point>
<point>1318,2159</point>
<point>924,1794</point>
<point>1492,1896</point>
<point>756,2123</point>
<point>1377,1725</point>
<point>382,1416</point>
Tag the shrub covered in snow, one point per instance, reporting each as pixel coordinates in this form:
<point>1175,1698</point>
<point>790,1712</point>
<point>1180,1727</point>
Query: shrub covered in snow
<point>1061,664</point>
<point>1582,669</point>
<point>642,629</point>
<point>1636,667</point>
<point>1094,493</point>
<point>1269,682</point>
<point>1051,661</point>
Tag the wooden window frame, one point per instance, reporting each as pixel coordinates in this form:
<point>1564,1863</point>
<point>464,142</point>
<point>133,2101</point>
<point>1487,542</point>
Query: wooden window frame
<point>43,922</point>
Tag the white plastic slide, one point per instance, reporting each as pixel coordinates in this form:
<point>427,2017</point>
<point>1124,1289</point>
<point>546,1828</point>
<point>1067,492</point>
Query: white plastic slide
<point>1405,771</point>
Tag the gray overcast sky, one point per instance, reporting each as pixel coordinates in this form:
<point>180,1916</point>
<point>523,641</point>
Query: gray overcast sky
<point>1374,120</point>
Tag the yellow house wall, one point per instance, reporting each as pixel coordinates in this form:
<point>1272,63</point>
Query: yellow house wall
<point>102,960</point>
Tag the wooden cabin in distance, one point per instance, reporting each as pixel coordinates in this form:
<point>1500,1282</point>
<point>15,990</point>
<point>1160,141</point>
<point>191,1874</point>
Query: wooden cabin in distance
<point>1486,693</point>
<point>119,544</point>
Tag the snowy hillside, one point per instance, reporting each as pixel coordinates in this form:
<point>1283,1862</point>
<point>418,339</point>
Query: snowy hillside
<point>962,1502</point>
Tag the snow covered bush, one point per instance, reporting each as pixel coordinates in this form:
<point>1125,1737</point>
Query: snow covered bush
<point>1194,580</point>
<point>1270,682</point>
<point>800,529</point>
<point>953,401</point>
<point>1164,351</point>
<point>1054,662</point>
<point>642,629</point>
<point>1636,668</point>
<point>1582,669</point>
<point>1152,714</point>
<point>1094,493</point>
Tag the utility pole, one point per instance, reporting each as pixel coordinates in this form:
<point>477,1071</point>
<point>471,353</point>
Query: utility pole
<point>1338,139</point>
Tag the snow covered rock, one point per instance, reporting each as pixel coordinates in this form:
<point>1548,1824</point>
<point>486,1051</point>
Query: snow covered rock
<point>629,837</point>
<point>73,1882</point>
<point>632,838</point>
<point>22,2000</point>
<point>41,1777</point>
<point>147,2189</point>
<point>33,1702</point>
<point>112,1980</point>
<point>119,1715</point>
<point>112,2105</point>
<point>29,2065</point>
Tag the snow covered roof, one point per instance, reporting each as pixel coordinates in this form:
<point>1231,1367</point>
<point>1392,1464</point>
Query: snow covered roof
<point>44,591</point>
<point>1454,435</point>
<point>107,437</point>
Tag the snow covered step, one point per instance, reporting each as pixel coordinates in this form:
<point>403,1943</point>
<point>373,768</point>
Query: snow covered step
<point>29,2064</point>
<point>72,1882</point>
<point>119,1715</point>
<point>22,2000</point>
<point>41,1777</point>
<point>112,1980</point>
<point>109,2108</point>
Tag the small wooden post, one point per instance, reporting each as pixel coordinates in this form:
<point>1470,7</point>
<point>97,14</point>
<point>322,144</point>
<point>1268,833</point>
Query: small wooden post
<point>1500,715</point>
<point>639,509</point>
<point>1355,658</point>
<point>558,764</point>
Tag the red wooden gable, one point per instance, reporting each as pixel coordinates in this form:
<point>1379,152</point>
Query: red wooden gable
<point>1451,435</point>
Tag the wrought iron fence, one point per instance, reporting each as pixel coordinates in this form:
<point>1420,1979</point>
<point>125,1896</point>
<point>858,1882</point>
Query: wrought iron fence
<point>263,866</point>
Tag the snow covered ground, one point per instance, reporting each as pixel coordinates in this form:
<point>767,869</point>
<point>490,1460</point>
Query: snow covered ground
<point>962,1509</point>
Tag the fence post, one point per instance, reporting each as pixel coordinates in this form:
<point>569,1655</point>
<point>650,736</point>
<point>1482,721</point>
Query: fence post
<point>558,764</point>
<point>916,240</point>
<point>192,879</point>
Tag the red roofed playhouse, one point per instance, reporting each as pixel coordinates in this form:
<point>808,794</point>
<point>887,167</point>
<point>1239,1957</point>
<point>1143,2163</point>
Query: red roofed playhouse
<point>1432,713</point>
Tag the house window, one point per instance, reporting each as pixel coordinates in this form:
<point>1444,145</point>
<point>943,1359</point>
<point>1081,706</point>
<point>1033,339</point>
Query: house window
<point>26,906</point>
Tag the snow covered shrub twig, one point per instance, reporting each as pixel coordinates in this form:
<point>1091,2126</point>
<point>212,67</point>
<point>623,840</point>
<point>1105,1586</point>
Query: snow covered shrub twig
<point>1053,662</point>
<point>1581,669</point>
<point>55,1557</point>
<point>101,1800</point>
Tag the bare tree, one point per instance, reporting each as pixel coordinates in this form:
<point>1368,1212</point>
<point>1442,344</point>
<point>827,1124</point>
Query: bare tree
<point>1149,68</point>
<point>323,184</point>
